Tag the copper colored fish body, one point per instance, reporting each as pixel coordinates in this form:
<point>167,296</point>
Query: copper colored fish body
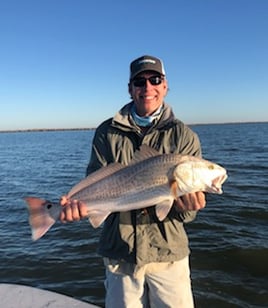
<point>150,179</point>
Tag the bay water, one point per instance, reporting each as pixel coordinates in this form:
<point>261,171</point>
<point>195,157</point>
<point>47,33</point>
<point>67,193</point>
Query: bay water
<point>228,239</point>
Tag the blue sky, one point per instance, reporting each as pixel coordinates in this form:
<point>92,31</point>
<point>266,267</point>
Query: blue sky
<point>65,64</point>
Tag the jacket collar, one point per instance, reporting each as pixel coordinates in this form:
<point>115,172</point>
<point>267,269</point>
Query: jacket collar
<point>124,119</point>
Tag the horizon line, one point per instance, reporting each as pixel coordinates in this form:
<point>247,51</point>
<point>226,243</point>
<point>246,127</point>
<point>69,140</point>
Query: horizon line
<point>93,128</point>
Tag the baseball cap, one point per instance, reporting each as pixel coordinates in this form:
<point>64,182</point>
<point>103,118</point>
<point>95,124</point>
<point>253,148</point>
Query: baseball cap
<point>146,63</point>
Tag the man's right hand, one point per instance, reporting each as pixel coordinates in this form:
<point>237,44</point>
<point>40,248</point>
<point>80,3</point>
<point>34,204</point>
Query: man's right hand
<point>72,210</point>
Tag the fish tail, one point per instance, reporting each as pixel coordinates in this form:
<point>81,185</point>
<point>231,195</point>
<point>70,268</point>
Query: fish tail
<point>42,215</point>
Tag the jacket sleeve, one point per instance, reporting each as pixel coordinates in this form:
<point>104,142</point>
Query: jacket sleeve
<point>186,217</point>
<point>189,144</point>
<point>99,150</point>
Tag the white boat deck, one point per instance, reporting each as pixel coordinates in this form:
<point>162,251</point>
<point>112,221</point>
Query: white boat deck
<point>20,296</point>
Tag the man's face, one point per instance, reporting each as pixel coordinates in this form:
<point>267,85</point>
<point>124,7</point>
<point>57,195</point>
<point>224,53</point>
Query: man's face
<point>148,95</point>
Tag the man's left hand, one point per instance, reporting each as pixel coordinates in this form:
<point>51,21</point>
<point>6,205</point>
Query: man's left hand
<point>191,202</point>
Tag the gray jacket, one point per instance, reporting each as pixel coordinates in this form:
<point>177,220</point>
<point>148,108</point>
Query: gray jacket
<point>137,236</point>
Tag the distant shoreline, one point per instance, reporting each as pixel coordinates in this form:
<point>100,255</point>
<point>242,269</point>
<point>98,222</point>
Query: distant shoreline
<point>93,128</point>
<point>43,130</point>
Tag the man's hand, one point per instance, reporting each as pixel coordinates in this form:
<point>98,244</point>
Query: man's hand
<point>191,202</point>
<point>73,210</point>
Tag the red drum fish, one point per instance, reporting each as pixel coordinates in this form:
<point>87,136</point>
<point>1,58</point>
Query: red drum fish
<point>150,179</point>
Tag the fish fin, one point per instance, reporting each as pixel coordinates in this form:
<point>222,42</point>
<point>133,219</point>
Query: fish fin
<point>174,188</point>
<point>42,215</point>
<point>143,153</point>
<point>97,219</point>
<point>162,209</point>
<point>95,177</point>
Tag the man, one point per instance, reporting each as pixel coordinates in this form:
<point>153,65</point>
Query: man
<point>146,260</point>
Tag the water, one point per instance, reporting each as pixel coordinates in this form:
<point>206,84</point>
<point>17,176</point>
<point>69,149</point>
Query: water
<point>229,238</point>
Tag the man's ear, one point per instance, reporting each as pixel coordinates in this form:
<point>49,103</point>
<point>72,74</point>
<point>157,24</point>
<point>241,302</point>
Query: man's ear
<point>166,86</point>
<point>129,89</point>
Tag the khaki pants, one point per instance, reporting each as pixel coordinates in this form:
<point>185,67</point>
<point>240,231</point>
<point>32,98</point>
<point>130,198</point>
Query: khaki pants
<point>154,285</point>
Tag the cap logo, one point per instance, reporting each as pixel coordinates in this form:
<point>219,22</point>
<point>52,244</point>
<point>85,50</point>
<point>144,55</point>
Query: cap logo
<point>147,61</point>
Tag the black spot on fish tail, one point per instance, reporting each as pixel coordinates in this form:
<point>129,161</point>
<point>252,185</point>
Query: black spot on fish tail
<point>49,206</point>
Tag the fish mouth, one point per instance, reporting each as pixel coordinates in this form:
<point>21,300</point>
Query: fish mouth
<point>216,185</point>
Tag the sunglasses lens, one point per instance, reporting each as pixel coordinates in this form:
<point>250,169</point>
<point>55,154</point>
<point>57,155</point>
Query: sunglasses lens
<point>155,80</point>
<point>141,82</point>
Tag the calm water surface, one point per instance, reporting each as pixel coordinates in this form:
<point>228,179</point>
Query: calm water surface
<point>229,238</point>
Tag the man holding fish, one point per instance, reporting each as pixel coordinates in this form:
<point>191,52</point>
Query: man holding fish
<point>145,248</point>
<point>131,241</point>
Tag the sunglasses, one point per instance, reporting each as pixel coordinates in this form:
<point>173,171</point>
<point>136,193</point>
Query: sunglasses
<point>141,81</point>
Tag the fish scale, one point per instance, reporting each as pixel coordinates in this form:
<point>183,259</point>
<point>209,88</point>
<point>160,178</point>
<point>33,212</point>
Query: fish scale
<point>136,178</point>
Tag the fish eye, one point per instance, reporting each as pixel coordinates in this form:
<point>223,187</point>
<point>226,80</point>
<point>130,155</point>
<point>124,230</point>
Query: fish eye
<point>210,167</point>
<point>49,206</point>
